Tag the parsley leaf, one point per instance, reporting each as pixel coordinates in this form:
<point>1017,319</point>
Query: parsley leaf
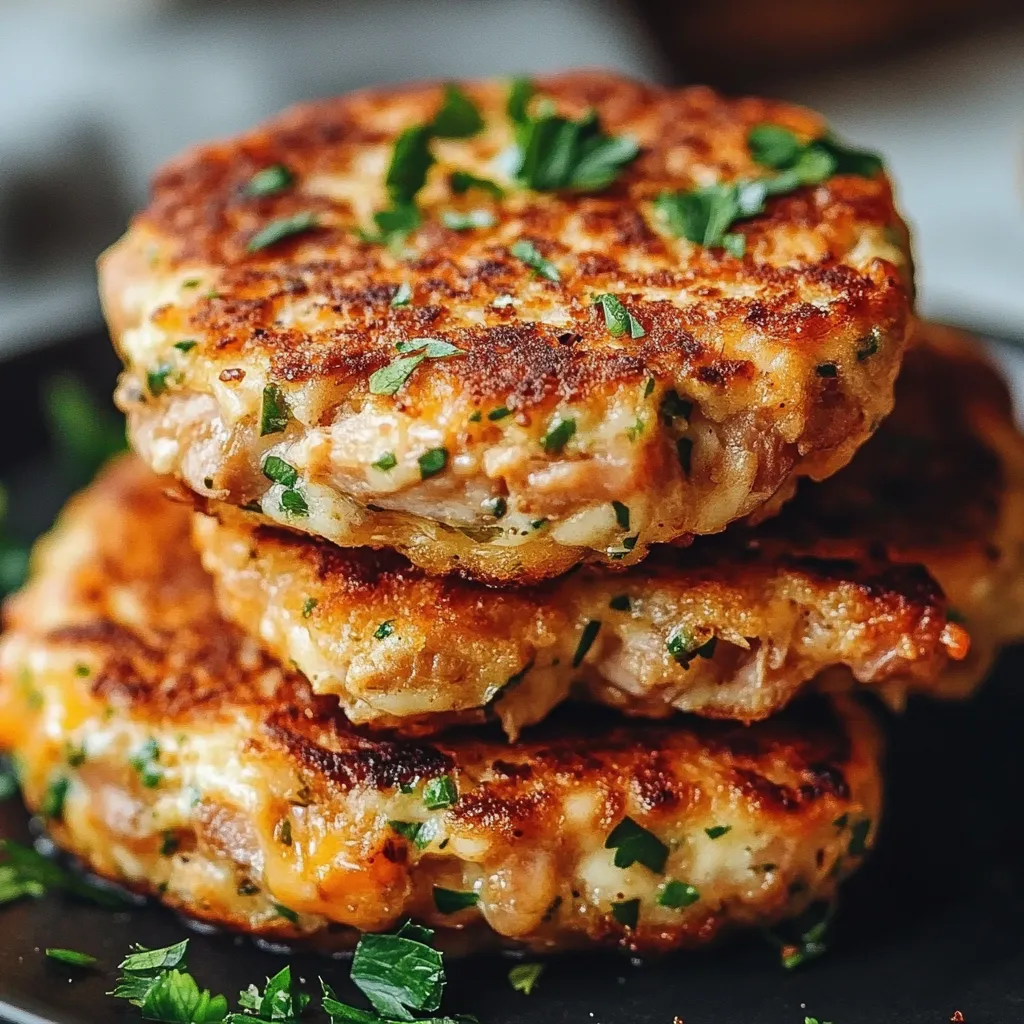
<point>451,901</point>
<point>398,974</point>
<point>523,977</point>
<point>394,225</point>
<point>621,514</point>
<point>271,180</point>
<point>411,159</point>
<point>675,895</point>
<point>402,296</point>
<point>71,957</point>
<point>459,117</point>
<point>282,228</point>
<point>684,647</point>
<point>432,462</point>
<point>557,153</point>
<point>633,844</point>
<point>717,831</point>
<point>627,912</point>
<point>282,1000</point>
<point>587,637</point>
<point>293,503</point>
<point>146,762</point>
<point>8,780</point>
<point>469,220</point>
<point>389,379</point>
<point>617,318</point>
<point>558,435</point>
<point>528,253</point>
<point>273,412</point>
<point>440,793</point>
<point>280,472</point>
<point>808,942</point>
<point>461,182</point>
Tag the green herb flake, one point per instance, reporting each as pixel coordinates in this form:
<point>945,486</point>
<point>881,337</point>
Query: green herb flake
<point>587,638</point>
<point>281,229</point>
<point>287,913</point>
<point>440,793</point>
<point>684,647</point>
<point>52,805</point>
<point>811,930</point>
<point>411,159</point>
<point>145,761</point>
<point>617,318</point>
<point>385,462</point>
<point>717,831</point>
<point>416,832</point>
<point>293,503</point>
<point>271,180</point>
<point>451,901</point>
<point>71,957</point>
<point>526,252</point>
<point>279,471</point>
<point>26,873</point>
<point>157,379</point>
<point>524,977</point>
<point>393,226</point>
<point>520,93</point>
<point>461,182</point>
<point>500,413</point>
<point>627,912</point>
<point>384,630</point>
<point>633,844</point>
<point>273,412</point>
<point>675,895</point>
<point>621,514</point>
<point>558,434</point>
<point>432,462</point>
<point>402,296</point>
<point>308,605</point>
<point>476,416</point>
<point>496,506</point>
<point>620,603</point>
<point>82,671</point>
<point>281,1001</point>
<point>8,780</point>
<point>400,974</point>
<point>735,244</point>
<point>390,378</point>
<point>152,981</point>
<point>459,117</point>
<point>187,345</point>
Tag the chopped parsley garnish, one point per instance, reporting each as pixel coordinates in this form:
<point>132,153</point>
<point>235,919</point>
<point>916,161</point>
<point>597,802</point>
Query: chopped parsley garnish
<point>451,901</point>
<point>587,638</point>
<point>859,833</point>
<point>633,844</point>
<point>389,379</point>
<point>286,912</point>
<point>523,977</point>
<point>411,159</point>
<point>627,912</point>
<point>157,379</point>
<point>400,974</point>
<point>496,506</point>
<point>52,805</point>
<point>158,983</point>
<point>526,252</point>
<point>617,318</point>
<point>704,215</point>
<point>282,1000</point>
<point>810,929</point>
<point>459,117</point>
<point>461,182</point>
<point>468,220</point>
<point>271,180</point>
<point>394,225</point>
<point>273,411</point>
<point>146,762</point>
<point>440,793</point>
<point>417,832</point>
<point>8,780</point>
<point>384,630</point>
<point>187,345</point>
<point>279,471</point>
<point>500,413</point>
<point>282,228</point>
<point>717,831</point>
<point>432,462</point>
<point>558,434</point>
<point>557,153</point>
<point>402,296</point>
<point>620,603</point>
<point>385,462</point>
<point>684,647</point>
<point>621,514</point>
<point>827,370</point>
<point>675,895</point>
<point>26,873</point>
<point>71,957</point>
<point>293,503</point>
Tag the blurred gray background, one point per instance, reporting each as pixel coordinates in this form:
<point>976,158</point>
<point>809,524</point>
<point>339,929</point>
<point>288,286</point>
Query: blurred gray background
<point>94,94</point>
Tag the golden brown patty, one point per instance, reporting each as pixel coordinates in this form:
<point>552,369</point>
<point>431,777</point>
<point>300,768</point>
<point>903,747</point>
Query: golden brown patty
<point>175,757</point>
<point>503,460</point>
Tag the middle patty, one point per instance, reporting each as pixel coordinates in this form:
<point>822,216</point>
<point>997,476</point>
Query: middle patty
<point>733,626</point>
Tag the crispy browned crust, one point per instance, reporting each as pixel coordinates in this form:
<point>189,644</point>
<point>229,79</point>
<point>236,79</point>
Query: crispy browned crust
<point>237,747</point>
<point>741,339</point>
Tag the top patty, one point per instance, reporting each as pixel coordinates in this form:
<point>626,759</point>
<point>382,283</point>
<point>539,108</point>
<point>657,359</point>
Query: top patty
<point>734,370</point>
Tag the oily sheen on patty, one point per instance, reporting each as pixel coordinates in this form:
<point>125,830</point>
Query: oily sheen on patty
<point>256,306</point>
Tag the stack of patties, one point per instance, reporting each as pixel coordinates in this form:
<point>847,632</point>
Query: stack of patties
<point>480,608</point>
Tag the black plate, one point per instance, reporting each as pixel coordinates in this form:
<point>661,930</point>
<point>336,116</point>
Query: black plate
<point>933,925</point>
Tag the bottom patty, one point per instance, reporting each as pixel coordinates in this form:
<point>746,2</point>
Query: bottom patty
<point>171,754</point>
